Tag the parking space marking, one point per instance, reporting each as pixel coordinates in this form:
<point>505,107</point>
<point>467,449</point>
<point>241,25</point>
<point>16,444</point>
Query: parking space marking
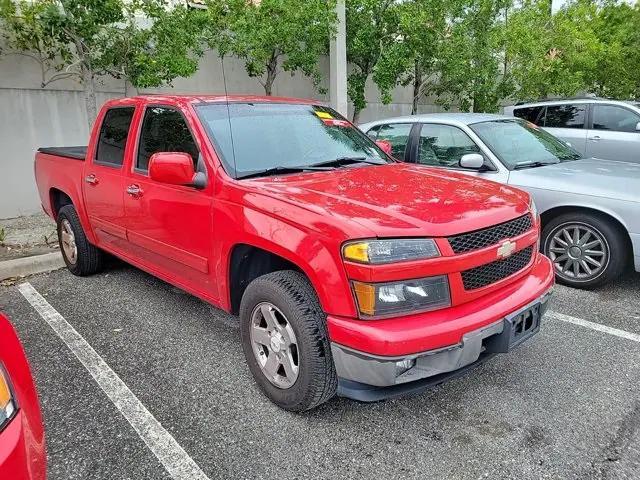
<point>172,456</point>
<point>595,326</point>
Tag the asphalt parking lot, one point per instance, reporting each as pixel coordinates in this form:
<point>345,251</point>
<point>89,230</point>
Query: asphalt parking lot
<point>564,405</point>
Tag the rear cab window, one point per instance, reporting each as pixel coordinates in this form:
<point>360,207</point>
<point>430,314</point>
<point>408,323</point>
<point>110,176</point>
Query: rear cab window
<point>112,139</point>
<point>164,129</point>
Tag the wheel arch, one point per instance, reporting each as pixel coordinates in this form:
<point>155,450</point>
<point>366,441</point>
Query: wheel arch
<point>58,199</point>
<point>246,262</point>
<point>554,212</point>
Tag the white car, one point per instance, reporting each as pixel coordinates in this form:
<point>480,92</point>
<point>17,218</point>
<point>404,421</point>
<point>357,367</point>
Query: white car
<point>590,208</point>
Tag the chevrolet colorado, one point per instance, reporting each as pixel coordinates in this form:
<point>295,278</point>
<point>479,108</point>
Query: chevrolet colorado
<point>351,273</point>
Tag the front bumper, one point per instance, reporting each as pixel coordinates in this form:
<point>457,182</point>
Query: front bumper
<point>370,376</point>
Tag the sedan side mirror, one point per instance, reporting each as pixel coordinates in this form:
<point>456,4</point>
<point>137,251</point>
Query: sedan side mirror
<point>175,168</point>
<point>473,161</point>
<point>638,127</point>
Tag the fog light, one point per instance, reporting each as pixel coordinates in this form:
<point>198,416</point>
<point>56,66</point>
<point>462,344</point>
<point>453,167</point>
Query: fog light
<point>404,365</point>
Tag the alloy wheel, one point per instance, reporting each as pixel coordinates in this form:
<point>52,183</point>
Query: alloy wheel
<point>274,345</point>
<point>579,252</point>
<point>68,239</point>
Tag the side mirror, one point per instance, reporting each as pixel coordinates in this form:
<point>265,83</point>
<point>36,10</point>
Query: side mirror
<point>385,146</point>
<point>638,127</point>
<point>473,161</point>
<point>569,143</point>
<point>175,168</point>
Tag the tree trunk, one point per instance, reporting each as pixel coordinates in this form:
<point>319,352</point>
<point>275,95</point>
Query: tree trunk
<point>272,71</point>
<point>417,83</point>
<point>88,82</point>
<point>356,116</point>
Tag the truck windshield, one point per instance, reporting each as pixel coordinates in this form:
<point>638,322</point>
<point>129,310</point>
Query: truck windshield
<point>521,144</point>
<point>256,139</point>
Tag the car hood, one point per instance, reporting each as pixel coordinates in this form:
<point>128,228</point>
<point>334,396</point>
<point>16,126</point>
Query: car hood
<point>589,176</point>
<point>400,199</point>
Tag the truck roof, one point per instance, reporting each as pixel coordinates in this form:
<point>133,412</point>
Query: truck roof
<point>200,98</point>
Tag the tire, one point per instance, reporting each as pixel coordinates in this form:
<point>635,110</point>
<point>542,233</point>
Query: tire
<point>295,305</point>
<point>88,258</point>
<point>607,245</point>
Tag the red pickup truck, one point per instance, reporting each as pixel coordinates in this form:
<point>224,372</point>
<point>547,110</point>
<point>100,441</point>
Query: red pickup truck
<point>350,272</point>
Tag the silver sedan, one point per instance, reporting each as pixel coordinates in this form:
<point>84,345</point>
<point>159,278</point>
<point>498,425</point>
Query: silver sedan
<point>590,208</point>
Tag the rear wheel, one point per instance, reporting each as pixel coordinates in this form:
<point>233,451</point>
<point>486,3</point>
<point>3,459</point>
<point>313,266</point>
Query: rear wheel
<point>285,341</point>
<point>81,257</point>
<point>587,250</point>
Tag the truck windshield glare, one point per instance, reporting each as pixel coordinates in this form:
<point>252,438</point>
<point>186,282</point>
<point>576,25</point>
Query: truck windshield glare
<point>272,137</point>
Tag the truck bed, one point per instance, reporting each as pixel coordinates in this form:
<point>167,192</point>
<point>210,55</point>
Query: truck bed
<point>77,152</point>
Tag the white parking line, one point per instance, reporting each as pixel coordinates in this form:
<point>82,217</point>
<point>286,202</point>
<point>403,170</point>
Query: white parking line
<point>175,460</point>
<point>594,326</point>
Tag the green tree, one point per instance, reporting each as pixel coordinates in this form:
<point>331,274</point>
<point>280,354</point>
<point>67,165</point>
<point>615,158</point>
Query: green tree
<point>139,40</point>
<point>412,58</point>
<point>372,25</point>
<point>272,35</point>
<point>470,62</point>
<point>618,30</point>
<point>553,55</point>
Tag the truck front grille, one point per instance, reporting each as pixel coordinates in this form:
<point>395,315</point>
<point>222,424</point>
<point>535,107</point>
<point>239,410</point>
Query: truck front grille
<point>493,272</point>
<point>490,236</point>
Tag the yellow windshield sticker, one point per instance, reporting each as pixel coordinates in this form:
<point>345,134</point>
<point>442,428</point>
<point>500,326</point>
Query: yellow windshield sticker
<point>324,115</point>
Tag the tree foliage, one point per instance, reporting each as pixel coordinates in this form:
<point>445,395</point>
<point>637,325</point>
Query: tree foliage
<point>272,35</point>
<point>371,26</point>
<point>139,40</point>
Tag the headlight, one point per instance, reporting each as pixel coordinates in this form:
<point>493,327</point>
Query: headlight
<point>7,402</point>
<point>533,208</point>
<point>390,251</point>
<point>407,296</point>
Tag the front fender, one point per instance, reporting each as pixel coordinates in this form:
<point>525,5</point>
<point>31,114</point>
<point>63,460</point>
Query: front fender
<point>318,256</point>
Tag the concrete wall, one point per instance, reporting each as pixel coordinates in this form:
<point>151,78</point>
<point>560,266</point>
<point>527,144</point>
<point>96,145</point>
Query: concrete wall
<point>31,117</point>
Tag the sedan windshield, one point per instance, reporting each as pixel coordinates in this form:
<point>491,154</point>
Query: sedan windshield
<point>520,144</point>
<point>261,139</point>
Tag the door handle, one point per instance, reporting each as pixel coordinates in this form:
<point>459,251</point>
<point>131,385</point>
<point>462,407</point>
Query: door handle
<point>595,138</point>
<point>91,179</point>
<point>134,190</point>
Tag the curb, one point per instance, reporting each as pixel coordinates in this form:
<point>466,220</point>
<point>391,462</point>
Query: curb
<point>21,267</point>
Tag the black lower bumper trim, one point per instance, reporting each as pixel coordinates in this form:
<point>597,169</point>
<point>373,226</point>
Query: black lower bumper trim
<point>370,393</point>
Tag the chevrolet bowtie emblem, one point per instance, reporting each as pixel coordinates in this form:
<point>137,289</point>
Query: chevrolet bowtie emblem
<point>506,249</point>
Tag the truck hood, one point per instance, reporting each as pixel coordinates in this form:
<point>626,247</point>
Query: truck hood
<point>590,176</point>
<point>400,199</point>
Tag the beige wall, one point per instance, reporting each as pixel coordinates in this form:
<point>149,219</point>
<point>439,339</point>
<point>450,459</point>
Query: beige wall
<point>31,117</point>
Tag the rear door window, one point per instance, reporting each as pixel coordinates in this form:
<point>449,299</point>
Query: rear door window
<point>113,136</point>
<point>565,116</point>
<point>397,134</point>
<point>531,114</point>
<point>164,129</point>
<point>614,118</point>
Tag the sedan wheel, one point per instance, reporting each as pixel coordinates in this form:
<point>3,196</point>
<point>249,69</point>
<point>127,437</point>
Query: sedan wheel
<point>579,252</point>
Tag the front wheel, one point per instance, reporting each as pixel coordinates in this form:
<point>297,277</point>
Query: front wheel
<point>285,341</point>
<point>587,250</point>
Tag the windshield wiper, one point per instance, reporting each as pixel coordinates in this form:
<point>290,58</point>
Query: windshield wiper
<point>522,165</point>
<point>282,170</point>
<point>340,161</point>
